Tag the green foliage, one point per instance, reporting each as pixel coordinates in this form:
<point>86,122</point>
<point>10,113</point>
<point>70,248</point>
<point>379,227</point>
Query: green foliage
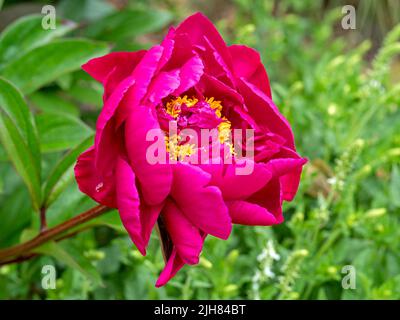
<point>19,138</point>
<point>342,101</point>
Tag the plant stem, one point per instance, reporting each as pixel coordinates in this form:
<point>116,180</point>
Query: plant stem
<point>19,259</point>
<point>50,234</point>
<point>43,222</point>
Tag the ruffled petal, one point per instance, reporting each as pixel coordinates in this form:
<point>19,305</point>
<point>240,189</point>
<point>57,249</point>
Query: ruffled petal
<point>163,85</point>
<point>168,44</point>
<point>99,188</point>
<point>261,108</point>
<point>236,186</point>
<point>243,212</point>
<point>100,68</point>
<point>155,179</point>
<point>201,204</point>
<point>185,236</point>
<point>190,74</point>
<point>196,27</point>
<point>247,64</point>
<point>129,203</point>
<point>174,264</point>
<point>286,165</point>
<point>270,198</point>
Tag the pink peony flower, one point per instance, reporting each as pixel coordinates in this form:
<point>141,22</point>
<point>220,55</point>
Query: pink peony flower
<point>194,80</point>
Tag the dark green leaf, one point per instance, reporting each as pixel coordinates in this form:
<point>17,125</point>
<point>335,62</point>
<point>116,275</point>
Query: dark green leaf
<point>26,34</point>
<point>19,138</point>
<point>15,214</point>
<point>44,64</point>
<point>59,132</point>
<point>83,265</point>
<point>79,10</point>
<point>63,173</point>
<point>52,102</point>
<point>128,23</point>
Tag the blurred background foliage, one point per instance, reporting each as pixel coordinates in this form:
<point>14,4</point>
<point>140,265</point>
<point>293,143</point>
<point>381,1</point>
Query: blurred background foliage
<point>339,89</point>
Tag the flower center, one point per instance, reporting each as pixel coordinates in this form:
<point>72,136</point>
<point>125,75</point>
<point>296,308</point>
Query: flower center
<point>194,114</point>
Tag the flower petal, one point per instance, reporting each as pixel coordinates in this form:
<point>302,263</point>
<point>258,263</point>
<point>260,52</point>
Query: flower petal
<point>261,107</point>
<point>201,204</point>
<point>287,165</point>
<point>270,197</point>
<point>174,264</point>
<point>243,212</point>
<point>155,179</point>
<point>129,203</point>
<point>185,236</point>
<point>247,64</point>
<point>190,74</point>
<point>163,85</point>
<point>98,187</point>
<point>236,186</point>
<point>100,68</point>
<point>196,27</point>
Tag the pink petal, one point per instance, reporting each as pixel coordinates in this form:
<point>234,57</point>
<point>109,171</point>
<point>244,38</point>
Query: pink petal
<point>234,186</point>
<point>247,64</point>
<point>214,63</point>
<point>155,179</point>
<point>243,212</point>
<point>201,204</point>
<point>163,85</point>
<point>174,264</point>
<point>267,115</point>
<point>98,187</point>
<point>231,99</point>
<point>190,74</point>
<point>148,217</point>
<point>143,72</point>
<point>196,27</point>
<point>168,44</point>
<point>100,68</point>
<point>129,203</point>
<point>123,69</point>
<point>288,169</point>
<point>185,236</point>
<point>270,198</point>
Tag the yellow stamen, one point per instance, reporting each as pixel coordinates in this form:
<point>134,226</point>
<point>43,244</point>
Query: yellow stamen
<point>215,105</point>
<point>224,130</point>
<point>178,152</point>
<point>173,106</point>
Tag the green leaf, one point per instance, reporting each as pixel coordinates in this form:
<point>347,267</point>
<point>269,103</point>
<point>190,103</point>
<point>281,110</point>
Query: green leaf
<point>110,219</point>
<point>45,64</point>
<point>60,132</point>
<point>52,102</point>
<point>87,92</point>
<point>78,261</point>
<point>63,173</point>
<point>15,214</point>
<point>26,34</point>
<point>128,23</point>
<point>394,187</point>
<point>19,138</point>
<point>79,10</point>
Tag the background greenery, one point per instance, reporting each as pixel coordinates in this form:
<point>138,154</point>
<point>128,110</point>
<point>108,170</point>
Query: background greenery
<point>339,89</point>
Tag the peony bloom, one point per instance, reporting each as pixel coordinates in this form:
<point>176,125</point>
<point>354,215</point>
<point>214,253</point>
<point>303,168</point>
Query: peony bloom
<point>194,80</point>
